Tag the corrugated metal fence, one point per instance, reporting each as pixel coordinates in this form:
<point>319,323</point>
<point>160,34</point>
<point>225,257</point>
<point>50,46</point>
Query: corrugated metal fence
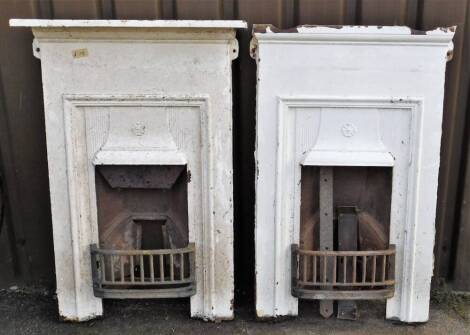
<point>26,251</point>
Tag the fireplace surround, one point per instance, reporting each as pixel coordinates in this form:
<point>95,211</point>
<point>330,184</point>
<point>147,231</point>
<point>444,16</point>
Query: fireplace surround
<point>139,140</point>
<point>336,99</point>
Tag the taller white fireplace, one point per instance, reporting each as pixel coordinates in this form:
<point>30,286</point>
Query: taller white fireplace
<point>139,140</point>
<point>347,151</point>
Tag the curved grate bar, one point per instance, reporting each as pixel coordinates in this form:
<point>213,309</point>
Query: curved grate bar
<point>356,274</point>
<point>162,273</point>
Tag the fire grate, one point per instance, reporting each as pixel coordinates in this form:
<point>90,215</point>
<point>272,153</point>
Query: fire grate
<point>355,275</point>
<point>162,273</point>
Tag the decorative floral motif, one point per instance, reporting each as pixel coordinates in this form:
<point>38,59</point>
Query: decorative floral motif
<point>348,130</point>
<point>138,129</point>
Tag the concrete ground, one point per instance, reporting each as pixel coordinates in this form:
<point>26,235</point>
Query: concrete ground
<point>35,312</point>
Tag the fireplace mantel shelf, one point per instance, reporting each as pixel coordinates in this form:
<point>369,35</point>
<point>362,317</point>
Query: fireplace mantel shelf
<point>372,35</point>
<point>202,24</point>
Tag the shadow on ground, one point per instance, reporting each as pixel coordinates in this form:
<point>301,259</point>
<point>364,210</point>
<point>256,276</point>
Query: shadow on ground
<point>35,312</point>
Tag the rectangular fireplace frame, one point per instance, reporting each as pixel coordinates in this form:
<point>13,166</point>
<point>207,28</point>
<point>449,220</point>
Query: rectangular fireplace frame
<point>288,186</point>
<point>348,96</point>
<point>81,177</point>
<point>170,82</point>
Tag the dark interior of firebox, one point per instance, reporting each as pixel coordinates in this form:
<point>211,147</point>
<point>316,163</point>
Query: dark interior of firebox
<point>143,207</point>
<point>367,189</point>
<point>344,253</point>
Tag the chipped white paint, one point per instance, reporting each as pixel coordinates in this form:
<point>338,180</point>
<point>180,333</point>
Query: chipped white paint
<point>351,96</point>
<point>139,93</point>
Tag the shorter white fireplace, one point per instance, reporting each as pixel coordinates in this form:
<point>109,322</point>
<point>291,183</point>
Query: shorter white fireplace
<point>347,151</point>
<point>139,139</point>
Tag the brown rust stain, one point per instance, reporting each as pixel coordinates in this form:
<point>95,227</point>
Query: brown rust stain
<point>424,32</point>
<point>263,28</point>
<point>449,55</point>
<point>275,29</point>
<point>451,29</point>
<point>253,51</point>
<point>333,26</point>
<point>417,32</point>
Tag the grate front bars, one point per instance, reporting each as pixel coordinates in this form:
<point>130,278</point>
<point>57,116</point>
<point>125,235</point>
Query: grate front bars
<point>162,273</point>
<point>371,275</point>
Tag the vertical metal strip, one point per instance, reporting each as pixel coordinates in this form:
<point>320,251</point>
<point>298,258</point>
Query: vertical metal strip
<point>103,268</point>
<point>131,259</point>
<point>384,268</point>
<point>162,269</point>
<point>314,275</point>
<point>121,265</point>
<point>354,273</point>
<point>374,268</point>
<point>364,268</point>
<point>152,270</point>
<point>347,241</point>
<point>111,261</point>
<point>304,275</point>
<point>142,269</point>
<point>326,230</point>
<point>172,273</point>
<point>182,266</point>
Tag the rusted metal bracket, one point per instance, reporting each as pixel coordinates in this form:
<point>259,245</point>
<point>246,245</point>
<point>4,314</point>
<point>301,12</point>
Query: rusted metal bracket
<point>347,241</point>
<point>326,232</point>
<point>346,274</point>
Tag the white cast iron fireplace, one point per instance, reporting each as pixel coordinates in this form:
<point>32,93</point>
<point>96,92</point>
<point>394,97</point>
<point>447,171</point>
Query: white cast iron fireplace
<point>139,139</point>
<point>348,133</point>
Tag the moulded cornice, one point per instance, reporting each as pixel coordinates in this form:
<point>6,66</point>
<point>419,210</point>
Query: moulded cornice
<point>398,35</point>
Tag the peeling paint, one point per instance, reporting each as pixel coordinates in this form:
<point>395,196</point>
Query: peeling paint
<point>417,32</point>
<point>320,29</point>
